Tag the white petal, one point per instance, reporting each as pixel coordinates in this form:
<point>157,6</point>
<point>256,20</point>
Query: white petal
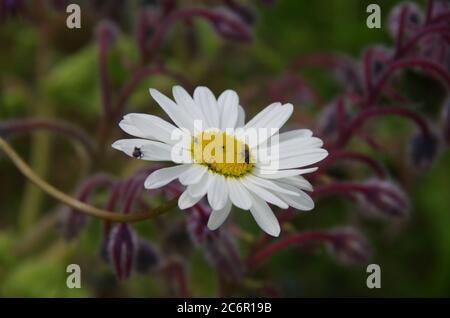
<point>264,217</point>
<point>179,116</point>
<point>297,181</point>
<point>193,175</point>
<point>272,121</point>
<point>185,100</point>
<point>277,174</point>
<point>295,147</point>
<point>260,117</point>
<point>164,176</point>
<point>264,194</point>
<point>217,192</point>
<point>208,103</point>
<point>149,149</point>
<point>302,201</point>
<point>239,194</point>
<point>217,217</point>
<point>187,201</point>
<point>128,127</point>
<point>295,134</point>
<point>268,184</point>
<point>149,127</point>
<point>128,145</point>
<point>200,188</point>
<point>240,122</point>
<point>276,117</point>
<point>228,103</point>
<point>305,159</point>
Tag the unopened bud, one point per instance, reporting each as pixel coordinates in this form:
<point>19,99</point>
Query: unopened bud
<point>107,33</point>
<point>221,252</point>
<point>176,240</point>
<point>384,199</point>
<point>328,121</point>
<point>424,148</point>
<point>244,12</point>
<point>147,257</point>
<point>122,249</point>
<point>413,18</point>
<point>146,25</point>
<point>230,26</point>
<point>349,246</point>
<point>73,223</point>
<point>380,57</point>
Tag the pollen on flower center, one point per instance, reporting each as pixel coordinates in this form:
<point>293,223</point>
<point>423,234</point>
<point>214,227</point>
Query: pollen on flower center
<point>222,153</point>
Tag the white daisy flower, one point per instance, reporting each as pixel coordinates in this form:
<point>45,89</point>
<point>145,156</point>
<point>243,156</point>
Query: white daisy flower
<point>219,156</point>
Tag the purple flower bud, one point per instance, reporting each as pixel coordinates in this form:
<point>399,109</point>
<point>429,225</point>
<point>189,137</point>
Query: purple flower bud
<point>383,198</point>
<point>218,246</point>
<point>380,56</point>
<point>147,257</point>
<point>146,24</point>
<point>424,148</point>
<point>176,240</point>
<point>348,74</point>
<point>349,246</point>
<point>73,223</point>
<point>413,18</point>
<point>327,123</point>
<point>122,249</point>
<point>107,33</point>
<point>230,26</point>
<point>243,11</point>
<point>222,253</point>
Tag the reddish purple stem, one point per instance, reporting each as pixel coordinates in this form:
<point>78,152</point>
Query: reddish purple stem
<point>295,239</point>
<point>402,50</point>
<point>190,13</point>
<point>400,64</point>
<point>363,116</point>
<point>18,126</point>
<point>105,84</point>
<point>372,163</point>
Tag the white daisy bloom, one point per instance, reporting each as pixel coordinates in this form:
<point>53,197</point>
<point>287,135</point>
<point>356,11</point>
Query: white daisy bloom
<point>220,157</point>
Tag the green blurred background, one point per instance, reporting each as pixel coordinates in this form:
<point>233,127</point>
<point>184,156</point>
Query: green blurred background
<point>52,71</point>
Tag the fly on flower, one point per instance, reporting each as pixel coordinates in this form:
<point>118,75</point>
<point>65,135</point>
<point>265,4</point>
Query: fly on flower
<point>231,162</point>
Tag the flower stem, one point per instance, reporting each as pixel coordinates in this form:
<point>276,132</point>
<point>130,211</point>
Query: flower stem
<point>359,120</point>
<point>18,126</point>
<point>356,156</point>
<point>76,204</point>
<point>269,250</point>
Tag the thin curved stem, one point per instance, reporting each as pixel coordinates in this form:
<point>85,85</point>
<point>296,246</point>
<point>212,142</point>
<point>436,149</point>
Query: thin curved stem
<point>359,120</point>
<point>17,126</point>
<point>76,204</point>
<point>413,41</point>
<point>401,64</point>
<point>271,249</point>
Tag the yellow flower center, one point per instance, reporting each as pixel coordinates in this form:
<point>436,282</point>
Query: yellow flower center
<point>222,153</point>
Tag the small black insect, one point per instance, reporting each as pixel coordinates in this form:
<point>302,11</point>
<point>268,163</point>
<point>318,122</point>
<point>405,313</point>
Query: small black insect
<point>137,153</point>
<point>247,155</point>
